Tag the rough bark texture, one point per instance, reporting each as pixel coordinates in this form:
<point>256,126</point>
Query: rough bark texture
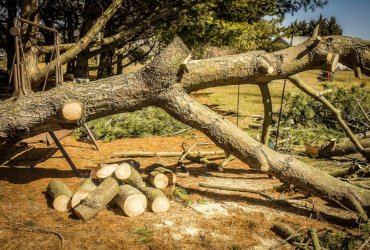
<point>164,83</point>
<point>98,199</point>
<point>267,119</point>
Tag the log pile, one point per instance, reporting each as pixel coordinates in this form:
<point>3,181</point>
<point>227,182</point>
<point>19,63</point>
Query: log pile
<point>114,184</point>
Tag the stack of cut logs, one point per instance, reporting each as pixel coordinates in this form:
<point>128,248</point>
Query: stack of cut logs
<point>115,184</point>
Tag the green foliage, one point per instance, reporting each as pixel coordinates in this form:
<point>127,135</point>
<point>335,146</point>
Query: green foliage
<point>145,122</point>
<point>303,111</point>
<point>328,26</point>
<point>182,195</point>
<point>339,240</point>
<point>144,234</point>
<point>240,24</point>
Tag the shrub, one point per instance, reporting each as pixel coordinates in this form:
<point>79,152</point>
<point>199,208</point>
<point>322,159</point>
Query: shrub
<point>302,110</point>
<point>145,122</point>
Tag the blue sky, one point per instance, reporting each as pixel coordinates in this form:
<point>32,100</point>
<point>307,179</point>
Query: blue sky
<point>352,15</point>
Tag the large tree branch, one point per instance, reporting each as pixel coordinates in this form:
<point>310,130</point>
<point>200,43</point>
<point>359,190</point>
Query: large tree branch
<point>80,45</point>
<point>158,84</point>
<point>251,68</point>
<point>232,139</point>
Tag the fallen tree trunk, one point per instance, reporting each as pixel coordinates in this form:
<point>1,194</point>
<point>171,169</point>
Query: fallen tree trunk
<point>340,149</point>
<point>97,199</point>
<point>130,200</point>
<point>165,84</point>
<point>60,194</point>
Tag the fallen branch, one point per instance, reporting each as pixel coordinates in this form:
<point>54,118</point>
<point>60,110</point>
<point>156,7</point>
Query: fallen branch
<point>141,154</point>
<point>336,149</point>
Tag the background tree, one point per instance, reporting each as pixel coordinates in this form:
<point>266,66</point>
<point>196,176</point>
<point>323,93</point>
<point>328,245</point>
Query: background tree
<point>243,23</point>
<point>328,27</point>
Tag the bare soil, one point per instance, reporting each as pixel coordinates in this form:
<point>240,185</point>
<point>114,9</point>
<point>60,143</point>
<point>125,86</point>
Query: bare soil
<point>214,220</point>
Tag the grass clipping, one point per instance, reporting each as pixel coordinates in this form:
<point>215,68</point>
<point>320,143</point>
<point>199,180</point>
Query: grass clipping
<point>146,122</point>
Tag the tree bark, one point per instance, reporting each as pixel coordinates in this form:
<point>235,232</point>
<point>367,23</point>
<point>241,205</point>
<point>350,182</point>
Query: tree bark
<point>60,194</point>
<point>83,191</point>
<point>267,119</point>
<point>98,199</point>
<point>165,84</point>
<point>158,202</point>
<point>340,149</point>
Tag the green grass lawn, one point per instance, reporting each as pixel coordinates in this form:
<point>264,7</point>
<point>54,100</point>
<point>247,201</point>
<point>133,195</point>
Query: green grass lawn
<point>224,99</point>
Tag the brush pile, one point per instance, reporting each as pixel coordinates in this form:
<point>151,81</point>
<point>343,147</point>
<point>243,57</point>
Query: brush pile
<point>114,184</point>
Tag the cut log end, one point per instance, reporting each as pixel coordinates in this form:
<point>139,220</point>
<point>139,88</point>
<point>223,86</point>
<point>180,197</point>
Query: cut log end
<point>123,171</point>
<point>78,197</point>
<point>106,171</point>
<point>158,180</point>
<point>72,112</point>
<point>160,205</point>
<point>61,203</point>
<point>134,205</point>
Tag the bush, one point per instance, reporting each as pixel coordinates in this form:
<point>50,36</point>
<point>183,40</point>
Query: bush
<point>302,110</point>
<point>313,123</point>
<point>145,122</point>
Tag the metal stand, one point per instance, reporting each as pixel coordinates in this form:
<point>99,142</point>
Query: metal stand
<point>65,154</point>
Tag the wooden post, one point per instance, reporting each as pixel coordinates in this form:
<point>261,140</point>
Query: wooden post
<point>65,154</point>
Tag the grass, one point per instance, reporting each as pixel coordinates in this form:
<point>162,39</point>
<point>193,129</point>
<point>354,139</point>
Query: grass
<point>182,195</point>
<point>224,101</point>
<point>144,234</point>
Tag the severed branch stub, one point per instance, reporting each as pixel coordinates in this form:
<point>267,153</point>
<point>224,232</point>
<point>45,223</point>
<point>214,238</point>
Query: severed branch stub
<point>72,112</point>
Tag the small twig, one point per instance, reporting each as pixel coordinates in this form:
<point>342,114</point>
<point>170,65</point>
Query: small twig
<point>365,244</point>
<point>362,110</point>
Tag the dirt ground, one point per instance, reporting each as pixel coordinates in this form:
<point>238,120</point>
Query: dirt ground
<point>214,220</point>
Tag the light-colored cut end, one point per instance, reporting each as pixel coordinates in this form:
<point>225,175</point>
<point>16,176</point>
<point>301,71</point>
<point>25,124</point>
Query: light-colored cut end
<point>123,171</point>
<point>270,70</point>
<point>160,181</point>
<point>135,205</point>
<point>106,171</point>
<point>72,111</point>
<point>61,203</point>
<point>78,197</point>
<point>160,205</point>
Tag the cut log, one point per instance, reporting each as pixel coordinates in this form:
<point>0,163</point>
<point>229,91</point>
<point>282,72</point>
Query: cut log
<point>97,199</point>
<point>133,154</point>
<point>123,171</point>
<point>60,194</point>
<point>286,232</point>
<point>157,201</point>
<point>170,175</point>
<point>131,201</point>
<point>106,171</point>
<point>83,191</point>
<point>344,171</point>
<point>72,111</point>
<point>134,179</point>
<point>158,180</point>
<point>340,149</point>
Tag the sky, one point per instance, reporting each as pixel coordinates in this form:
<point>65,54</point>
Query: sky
<point>352,15</point>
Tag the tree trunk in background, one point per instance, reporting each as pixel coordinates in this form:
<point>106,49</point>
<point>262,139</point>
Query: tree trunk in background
<point>105,68</point>
<point>82,65</point>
